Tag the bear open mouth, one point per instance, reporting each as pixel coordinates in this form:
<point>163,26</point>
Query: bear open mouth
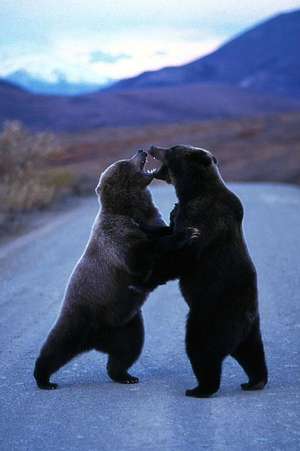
<point>140,159</point>
<point>152,167</point>
<point>160,171</point>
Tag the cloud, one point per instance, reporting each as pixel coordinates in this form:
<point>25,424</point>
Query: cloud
<point>25,16</point>
<point>80,59</point>
<point>160,53</point>
<point>99,56</point>
<point>95,40</point>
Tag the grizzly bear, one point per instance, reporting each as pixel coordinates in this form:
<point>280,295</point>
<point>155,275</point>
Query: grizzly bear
<point>100,310</point>
<point>217,276</point>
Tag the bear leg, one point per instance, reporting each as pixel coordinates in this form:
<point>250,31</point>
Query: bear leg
<point>206,353</point>
<point>126,347</point>
<point>208,370</point>
<point>117,370</point>
<point>62,345</point>
<point>250,355</point>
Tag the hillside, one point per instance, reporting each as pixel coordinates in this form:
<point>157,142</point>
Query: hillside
<point>264,58</point>
<point>259,149</point>
<point>37,169</point>
<point>135,108</point>
<point>256,73</point>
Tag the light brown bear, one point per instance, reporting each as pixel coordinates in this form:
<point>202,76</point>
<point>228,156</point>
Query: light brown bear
<point>100,311</point>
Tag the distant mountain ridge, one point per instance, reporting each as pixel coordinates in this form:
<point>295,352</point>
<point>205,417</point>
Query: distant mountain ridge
<point>192,102</point>
<point>256,73</point>
<point>61,86</point>
<point>264,58</point>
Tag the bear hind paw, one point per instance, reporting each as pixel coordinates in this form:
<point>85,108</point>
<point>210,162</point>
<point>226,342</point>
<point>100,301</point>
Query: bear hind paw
<point>199,392</point>
<point>251,386</point>
<point>124,378</point>
<point>47,385</point>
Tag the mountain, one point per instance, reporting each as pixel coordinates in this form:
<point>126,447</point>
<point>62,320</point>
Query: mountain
<point>61,86</point>
<point>140,107</point>
<point>264,58</point>
<point>256,73</point>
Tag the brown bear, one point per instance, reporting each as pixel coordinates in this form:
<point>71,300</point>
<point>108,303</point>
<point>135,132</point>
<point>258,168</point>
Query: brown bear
<point>100,310</point>
<point>217,276</point>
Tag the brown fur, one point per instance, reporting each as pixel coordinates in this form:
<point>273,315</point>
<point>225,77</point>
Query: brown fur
<point>99,310</point>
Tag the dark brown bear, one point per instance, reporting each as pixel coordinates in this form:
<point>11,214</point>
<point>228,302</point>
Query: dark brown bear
<point>217,276</point>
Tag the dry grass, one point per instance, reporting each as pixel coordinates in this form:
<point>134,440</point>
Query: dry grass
<point>26,181</point>
<point>36,169</point>
<point>265,148</point>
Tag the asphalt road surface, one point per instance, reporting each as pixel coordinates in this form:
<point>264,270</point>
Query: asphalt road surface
<point>88,411</point>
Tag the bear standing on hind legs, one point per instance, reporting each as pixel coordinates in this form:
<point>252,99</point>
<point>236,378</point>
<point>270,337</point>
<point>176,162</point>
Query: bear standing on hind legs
<point>217,276</point>
<point>99,310</point>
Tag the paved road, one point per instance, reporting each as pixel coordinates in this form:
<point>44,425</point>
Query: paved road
<point>89,412</point>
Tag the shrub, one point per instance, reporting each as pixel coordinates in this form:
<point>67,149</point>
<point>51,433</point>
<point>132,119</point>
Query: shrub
<point>26,182</point>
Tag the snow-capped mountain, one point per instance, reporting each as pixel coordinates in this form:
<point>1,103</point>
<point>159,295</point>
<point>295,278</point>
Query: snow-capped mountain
<point>61,86</point>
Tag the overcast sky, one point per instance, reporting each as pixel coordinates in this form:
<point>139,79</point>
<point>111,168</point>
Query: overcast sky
<point>90,40</point>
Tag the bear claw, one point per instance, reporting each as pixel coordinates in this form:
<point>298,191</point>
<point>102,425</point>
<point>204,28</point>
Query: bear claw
<point>48,386</point>
<point>124,379</point>
<point>249,386</point>
<point>130,380</point>
<point>198,393</point>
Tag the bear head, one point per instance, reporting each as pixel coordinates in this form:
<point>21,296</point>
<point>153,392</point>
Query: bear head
<point>122,187</point>
<point>188,168</point>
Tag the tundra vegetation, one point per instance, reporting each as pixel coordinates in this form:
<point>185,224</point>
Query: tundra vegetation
<point>36,169</point>
<point>27,180</point>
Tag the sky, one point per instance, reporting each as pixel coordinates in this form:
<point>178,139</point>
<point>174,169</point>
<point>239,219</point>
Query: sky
<point>97,40</point>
